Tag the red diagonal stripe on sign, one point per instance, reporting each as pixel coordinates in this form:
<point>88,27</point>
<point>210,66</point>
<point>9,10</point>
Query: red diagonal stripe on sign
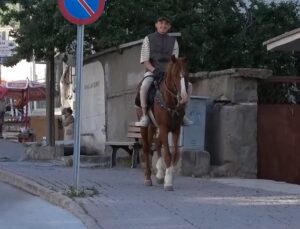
<point>86,6</point>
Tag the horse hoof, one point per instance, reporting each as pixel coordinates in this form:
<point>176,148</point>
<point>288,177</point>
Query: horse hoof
<point>159,180</point>
<point>148,182</point>
<point>168,188</point>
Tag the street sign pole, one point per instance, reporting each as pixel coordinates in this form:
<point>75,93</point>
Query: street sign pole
<point>79,64</point>
<point>79,12</point>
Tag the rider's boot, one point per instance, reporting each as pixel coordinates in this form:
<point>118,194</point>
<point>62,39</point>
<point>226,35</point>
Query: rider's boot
<point>144,121</point>
<point>186,121</point>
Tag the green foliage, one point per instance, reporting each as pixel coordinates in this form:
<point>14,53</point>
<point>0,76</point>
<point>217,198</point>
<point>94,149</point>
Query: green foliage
<point>269,21</point>
<point>40,27</point>
<point>279,93</point>
<point>216,34</point>
<point>81,192</point>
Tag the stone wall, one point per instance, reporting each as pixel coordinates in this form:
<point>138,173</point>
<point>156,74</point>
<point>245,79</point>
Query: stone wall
<point>231,127</point>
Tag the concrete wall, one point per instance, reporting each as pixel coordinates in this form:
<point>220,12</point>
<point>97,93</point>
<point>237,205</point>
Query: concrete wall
<point>231,119</point>
<point>109,87</point>
<point>231,113</point>
<point>93,108</point>
<point>234,85</point>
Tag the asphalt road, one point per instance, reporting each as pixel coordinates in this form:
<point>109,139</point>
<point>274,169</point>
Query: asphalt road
<point>22,210</point>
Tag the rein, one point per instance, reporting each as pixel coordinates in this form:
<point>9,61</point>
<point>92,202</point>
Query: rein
<point>160,100</point>
<point>170,91</point>
<point>169,86</point>
<point>175,95</point>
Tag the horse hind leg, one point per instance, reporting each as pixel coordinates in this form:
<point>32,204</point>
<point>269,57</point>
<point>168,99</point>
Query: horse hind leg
<point>176,153</point>
<point>146,154</point>
<point>160,173</point>
<point>160,165</point>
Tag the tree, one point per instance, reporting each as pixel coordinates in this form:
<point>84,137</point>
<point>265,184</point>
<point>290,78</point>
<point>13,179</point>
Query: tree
<point>216,34</point>
<point>268,21</point>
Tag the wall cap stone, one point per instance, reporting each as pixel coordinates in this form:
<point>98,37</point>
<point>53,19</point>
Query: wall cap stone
<point>120,48</point>
<point>255,73</point>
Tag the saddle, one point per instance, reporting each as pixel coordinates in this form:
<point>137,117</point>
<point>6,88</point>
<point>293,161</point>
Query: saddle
<point>151,92</point>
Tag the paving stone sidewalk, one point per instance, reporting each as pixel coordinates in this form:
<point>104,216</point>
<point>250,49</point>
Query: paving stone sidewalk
<point>124,202</point>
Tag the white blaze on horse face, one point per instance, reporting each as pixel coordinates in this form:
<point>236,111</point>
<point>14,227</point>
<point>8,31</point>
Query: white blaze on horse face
<point>183,92</point>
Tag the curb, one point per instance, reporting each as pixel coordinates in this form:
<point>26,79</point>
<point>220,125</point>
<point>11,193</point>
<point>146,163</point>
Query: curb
<point>48,195</point>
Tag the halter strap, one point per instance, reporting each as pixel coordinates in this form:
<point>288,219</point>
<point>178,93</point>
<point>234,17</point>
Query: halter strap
<point>169,91</point>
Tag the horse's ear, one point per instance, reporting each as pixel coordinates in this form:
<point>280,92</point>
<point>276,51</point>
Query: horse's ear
<point>173,58</point>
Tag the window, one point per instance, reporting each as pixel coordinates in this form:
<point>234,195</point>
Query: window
<point>39,71</point>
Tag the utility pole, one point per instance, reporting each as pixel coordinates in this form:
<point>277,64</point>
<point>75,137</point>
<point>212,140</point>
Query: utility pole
<point>50,102</point>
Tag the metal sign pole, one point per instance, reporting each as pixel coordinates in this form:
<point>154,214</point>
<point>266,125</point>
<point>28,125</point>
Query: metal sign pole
<point>79,63</point>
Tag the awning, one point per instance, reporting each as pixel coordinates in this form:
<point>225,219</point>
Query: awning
<point>289,41</point>
<point>25,90</point>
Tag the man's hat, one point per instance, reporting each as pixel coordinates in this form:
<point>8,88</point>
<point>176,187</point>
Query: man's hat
<point>163,19</point>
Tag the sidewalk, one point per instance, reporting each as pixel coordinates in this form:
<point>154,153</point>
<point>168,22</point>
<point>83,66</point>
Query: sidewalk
<point>125,203</point>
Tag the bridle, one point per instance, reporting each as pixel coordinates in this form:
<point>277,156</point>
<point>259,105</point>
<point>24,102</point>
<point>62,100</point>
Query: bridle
<point>176,94</point>
<point>160,100</point>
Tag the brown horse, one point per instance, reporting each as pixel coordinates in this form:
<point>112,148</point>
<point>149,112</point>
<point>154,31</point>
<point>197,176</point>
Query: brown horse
<point>168,112</point>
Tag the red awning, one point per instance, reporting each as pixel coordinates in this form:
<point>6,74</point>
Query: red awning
<point>24,90</point>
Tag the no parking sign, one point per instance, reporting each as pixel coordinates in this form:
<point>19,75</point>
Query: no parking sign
<point>79,12</point>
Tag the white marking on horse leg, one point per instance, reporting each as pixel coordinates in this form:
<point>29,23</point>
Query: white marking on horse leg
<point>168,186</point>
<point>190,89</point>
<point>183,92</point>
<point>160,166</point>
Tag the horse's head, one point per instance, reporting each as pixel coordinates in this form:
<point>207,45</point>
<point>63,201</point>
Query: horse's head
<point>177,78</point>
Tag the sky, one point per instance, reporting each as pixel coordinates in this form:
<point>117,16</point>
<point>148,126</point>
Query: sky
<point>276,1</point>
<point>22,71</point>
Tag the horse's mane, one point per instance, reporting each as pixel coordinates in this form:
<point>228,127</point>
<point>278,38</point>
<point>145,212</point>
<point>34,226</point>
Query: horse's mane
<point>173,67</point>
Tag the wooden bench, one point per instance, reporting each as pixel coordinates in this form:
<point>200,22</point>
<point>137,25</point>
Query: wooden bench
<point>132,147</point>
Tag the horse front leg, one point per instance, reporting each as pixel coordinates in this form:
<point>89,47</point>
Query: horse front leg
<point>146,155</point>
<point>163,136</point>
<point>160,166</point>
<point>175,155</point>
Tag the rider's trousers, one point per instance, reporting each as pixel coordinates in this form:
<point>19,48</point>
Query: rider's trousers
<point>148,79</point>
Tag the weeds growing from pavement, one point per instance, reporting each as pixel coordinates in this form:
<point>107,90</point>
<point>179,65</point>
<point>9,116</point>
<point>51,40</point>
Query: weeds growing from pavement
<point>81,192</point>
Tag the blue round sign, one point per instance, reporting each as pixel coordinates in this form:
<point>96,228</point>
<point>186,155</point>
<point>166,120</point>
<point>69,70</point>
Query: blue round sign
<point>81,12</point>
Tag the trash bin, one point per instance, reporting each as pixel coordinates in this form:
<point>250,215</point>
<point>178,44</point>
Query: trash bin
<point>193,137</point>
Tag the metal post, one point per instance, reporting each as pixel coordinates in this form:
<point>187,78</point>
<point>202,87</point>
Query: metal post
<point>79,63</point>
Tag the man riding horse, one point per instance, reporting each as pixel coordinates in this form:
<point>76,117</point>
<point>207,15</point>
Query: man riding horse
<point>156,52</point>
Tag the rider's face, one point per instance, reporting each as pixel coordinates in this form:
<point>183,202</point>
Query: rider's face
<point>162,27</point>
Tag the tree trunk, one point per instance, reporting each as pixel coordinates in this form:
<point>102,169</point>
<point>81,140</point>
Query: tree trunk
<point>50,107</point>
